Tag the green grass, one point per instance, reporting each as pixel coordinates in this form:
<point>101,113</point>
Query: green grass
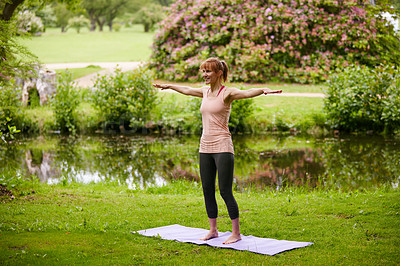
<point>288,111</point>
<point>91,225</point>
<point>80,72</point>
<point>130,44</point>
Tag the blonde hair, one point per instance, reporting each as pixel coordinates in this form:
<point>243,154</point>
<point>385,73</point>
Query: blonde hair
<point>216,65</point>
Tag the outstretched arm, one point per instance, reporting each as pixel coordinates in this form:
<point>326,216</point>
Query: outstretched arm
<point>236,94</point>
<point>197,92</point>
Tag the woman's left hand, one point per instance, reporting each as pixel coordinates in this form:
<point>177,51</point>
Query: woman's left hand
<point>269,91</point>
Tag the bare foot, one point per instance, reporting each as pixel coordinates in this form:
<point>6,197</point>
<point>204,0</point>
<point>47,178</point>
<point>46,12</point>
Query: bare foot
<point>232,239</point>
<point>210,235</point>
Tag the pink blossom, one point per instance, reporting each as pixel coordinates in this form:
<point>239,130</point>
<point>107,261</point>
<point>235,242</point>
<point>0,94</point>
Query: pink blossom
<point>267,11</point>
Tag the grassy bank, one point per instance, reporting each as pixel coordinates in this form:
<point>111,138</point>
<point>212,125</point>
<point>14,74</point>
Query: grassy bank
<point>91,224</point>
<point>271,112</point>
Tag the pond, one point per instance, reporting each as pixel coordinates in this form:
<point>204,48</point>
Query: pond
<point>261,161</point>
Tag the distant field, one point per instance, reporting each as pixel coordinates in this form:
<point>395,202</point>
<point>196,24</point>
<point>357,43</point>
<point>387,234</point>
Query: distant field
<point>130,44</point>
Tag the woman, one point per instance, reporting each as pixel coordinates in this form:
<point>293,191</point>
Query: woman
<point>216,148</point>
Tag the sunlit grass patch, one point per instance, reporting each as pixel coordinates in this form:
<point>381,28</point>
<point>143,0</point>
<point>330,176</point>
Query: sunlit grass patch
<point>130,44</point>
<point>80,72</point>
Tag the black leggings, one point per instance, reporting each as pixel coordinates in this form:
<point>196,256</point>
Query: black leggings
<point>210,163</point>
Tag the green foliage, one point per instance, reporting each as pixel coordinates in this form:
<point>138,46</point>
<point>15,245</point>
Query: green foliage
<point>173,114</point>
<point>78,22</point>
<point>194,107</point>
<point>28,22</point>
<point>101,12</point>
<point>15,59</point>
<point>125,97</point>
<point>360,98</point>
<point>241,110</point>
<point>295,41</point>
<point>149,16</point>
<point>64,104</point>
<point>47,16</point>
<point>62,14</point>
<point>34,98</point>
<point>116,27</point>
<point>396,4</point>
<point>10,112</point>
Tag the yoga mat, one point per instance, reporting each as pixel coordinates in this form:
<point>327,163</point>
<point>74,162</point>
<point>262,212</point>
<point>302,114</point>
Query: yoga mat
<point>266,246</point>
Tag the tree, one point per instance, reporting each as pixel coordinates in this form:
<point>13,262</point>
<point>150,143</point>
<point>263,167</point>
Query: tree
<point>8,8</point>
<point>101,12</point>
<point>116,8</point>
<point>78,23</point>
<point>92,9</point>
<point>12,55</point>
<point>149,16</point>
<point>63,14</point>
<point>47,15</point>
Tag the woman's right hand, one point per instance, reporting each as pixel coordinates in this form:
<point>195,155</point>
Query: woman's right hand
<point>161,86</point>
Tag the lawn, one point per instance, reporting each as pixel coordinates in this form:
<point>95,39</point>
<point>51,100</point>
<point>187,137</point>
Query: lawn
<point>92,225</point>
<point>80,72</point>
<point>130,44</point>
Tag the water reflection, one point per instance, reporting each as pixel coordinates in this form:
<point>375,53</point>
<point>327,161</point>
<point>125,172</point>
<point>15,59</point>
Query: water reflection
<point>39,164</point>
<point>260,161</point>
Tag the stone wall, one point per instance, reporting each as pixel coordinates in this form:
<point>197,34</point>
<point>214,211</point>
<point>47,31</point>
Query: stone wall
<point>44,83</point>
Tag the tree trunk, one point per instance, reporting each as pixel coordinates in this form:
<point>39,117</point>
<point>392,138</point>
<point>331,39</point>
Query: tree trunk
<point>146,27</point>
<point>92,24</point>
<point>9,9</point>
<point>100,22</point>
<point>110,25</point>
<point>92,20</point>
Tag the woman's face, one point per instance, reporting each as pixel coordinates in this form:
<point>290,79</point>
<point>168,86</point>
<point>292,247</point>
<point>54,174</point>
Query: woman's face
<point>209,76</point>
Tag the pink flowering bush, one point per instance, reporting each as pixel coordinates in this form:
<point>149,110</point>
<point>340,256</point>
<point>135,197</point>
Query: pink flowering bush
<point>272,40</point>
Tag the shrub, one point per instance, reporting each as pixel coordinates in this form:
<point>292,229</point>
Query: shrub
<point>64,103</point>
<point>117,27</point>
<point>28,22</point>
<point>10,112</point>
<point>361,98</point>
<point>241,110</point>
<point>125,98</point>
<point>78,22</point>
<point>295,41</point>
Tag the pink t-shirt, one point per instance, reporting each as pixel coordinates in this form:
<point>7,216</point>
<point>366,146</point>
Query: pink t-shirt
<point>216,137</point>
